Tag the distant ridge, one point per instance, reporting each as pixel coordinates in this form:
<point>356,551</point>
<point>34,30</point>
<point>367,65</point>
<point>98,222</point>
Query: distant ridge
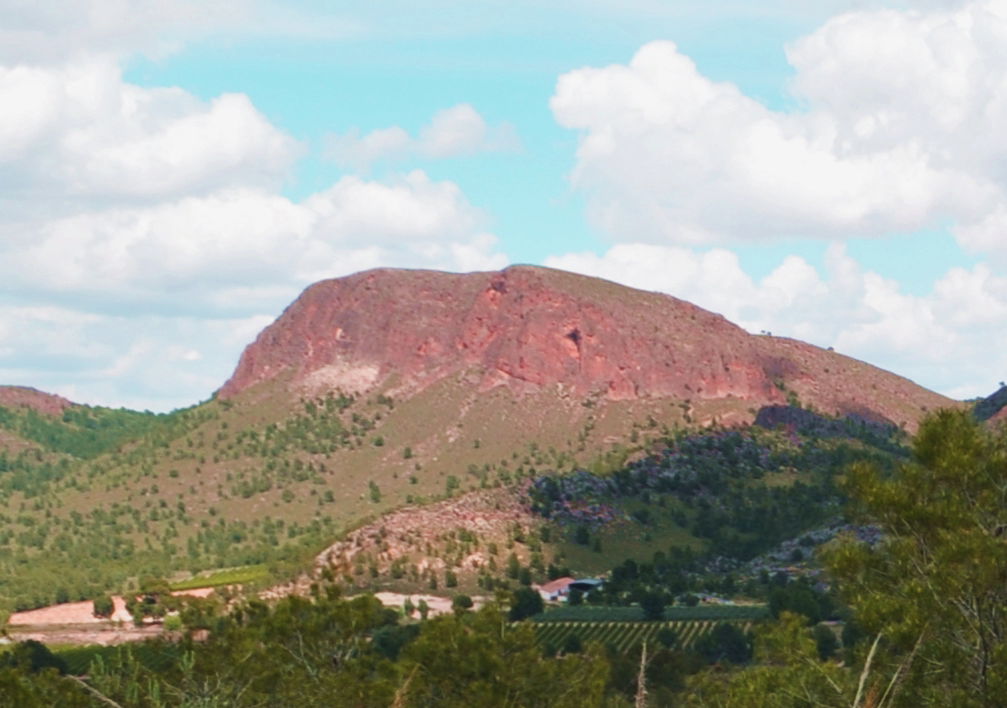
<point>27,397</point>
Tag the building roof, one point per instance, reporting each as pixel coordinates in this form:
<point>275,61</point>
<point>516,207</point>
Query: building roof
<point>554,586</point>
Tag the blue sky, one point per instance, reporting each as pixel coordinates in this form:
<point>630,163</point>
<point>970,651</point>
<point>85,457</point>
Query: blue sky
<point>175,173</point>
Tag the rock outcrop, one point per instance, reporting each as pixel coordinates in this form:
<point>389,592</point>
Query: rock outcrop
<point>530,328</point>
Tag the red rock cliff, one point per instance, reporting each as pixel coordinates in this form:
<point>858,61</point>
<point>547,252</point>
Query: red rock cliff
<point>529,327</point>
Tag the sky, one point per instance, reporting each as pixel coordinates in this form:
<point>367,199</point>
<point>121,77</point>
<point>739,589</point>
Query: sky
<point>174,174</point>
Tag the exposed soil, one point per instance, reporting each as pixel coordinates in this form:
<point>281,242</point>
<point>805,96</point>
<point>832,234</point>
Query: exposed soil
<point>412,533</point>
<point>75,623</point>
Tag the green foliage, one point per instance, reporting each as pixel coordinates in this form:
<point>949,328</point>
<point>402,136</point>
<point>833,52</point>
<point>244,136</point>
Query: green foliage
<point>825,642</point>
<point>713,613</point>
<point>103,606</point>
<point>525,603</point>
<point>473,661</point>
<point>667,637</point>
<point>32,656</point>
<point>232,576</point>
<point>652,604</point>
<point>323,652</point>
<point>936,587</point>
<point>787,669</point>
<point>800,597</point>
<point>85,431</point>
<point>461,603</point>
<point>726,642</point>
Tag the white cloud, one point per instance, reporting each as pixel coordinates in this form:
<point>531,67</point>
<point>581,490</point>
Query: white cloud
<point>196,253</point>
<point>901,130</point>
<point>136,361</point>
<point>858,312</point>
<point>79,132</point>
<point>452,132</point>
<point>139,227</point>
<point>54,31</point>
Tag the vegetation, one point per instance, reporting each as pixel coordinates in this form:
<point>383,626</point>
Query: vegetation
<point>231,576</point>
<point>921,603</point>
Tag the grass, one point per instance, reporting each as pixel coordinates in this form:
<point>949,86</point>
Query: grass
<point>230,576</point>
<point>630,539</point>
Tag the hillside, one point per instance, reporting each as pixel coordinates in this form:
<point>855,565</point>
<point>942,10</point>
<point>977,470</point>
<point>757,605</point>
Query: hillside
<point>383,390</point>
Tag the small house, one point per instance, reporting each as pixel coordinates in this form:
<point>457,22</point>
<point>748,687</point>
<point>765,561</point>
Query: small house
<point>555,590</point>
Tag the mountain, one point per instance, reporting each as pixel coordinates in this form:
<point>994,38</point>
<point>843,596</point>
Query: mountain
<point>395,390</point>
<point>531,330</point>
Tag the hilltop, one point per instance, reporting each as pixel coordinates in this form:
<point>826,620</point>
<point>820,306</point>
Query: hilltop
<point>531,329</point>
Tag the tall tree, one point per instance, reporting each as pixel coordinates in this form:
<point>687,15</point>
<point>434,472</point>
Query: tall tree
<point>935,586</point>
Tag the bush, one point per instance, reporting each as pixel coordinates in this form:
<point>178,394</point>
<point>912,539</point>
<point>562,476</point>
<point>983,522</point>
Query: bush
<point>667,637</point>
<point>461,603</point>
<point>32,656</point>
<point>725,643</point>
<point>525,603</point>
<point>103,606</point>
<point>825,642</point>
<point>652,605</point>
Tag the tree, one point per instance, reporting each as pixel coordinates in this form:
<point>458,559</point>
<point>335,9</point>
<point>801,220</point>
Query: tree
<point>936,587</point>
<point>572,644</point>
<point>461,604</point>
<point>725,642</point>
<point>786,669</point>
<point>652,604</point>
<point>667,637</point>
<point>478,661</point>
<point>103,606</point>
<point>825,641</point>
<point>525,603</point>
<point>32,656</point>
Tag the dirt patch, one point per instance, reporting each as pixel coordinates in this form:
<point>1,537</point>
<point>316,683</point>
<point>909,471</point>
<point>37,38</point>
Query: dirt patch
<point>82,613</point>
<point>431,537</point>
<point>81,635</point>
<point>70,613</point>
<point>437,605</point>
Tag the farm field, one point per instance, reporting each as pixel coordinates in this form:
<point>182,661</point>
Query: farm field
<point>624,636</point>
<point>230,576</point>
<point>711,613</point>
<point>624,628</point>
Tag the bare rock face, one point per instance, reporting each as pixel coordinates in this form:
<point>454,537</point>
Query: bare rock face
<point>25,397</point>
<point>530,328</point>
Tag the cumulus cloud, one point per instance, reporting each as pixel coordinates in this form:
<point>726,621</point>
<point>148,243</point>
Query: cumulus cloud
<point>80,133</point>
<point>859,312</point>
<point>194,254</point>
<point>899,130</point>
<point>146,361</point>
<point>452,132</point>
<point>140,228</point>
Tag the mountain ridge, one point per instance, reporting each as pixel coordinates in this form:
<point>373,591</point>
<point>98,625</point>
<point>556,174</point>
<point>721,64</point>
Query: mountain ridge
<point>529,328</point>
